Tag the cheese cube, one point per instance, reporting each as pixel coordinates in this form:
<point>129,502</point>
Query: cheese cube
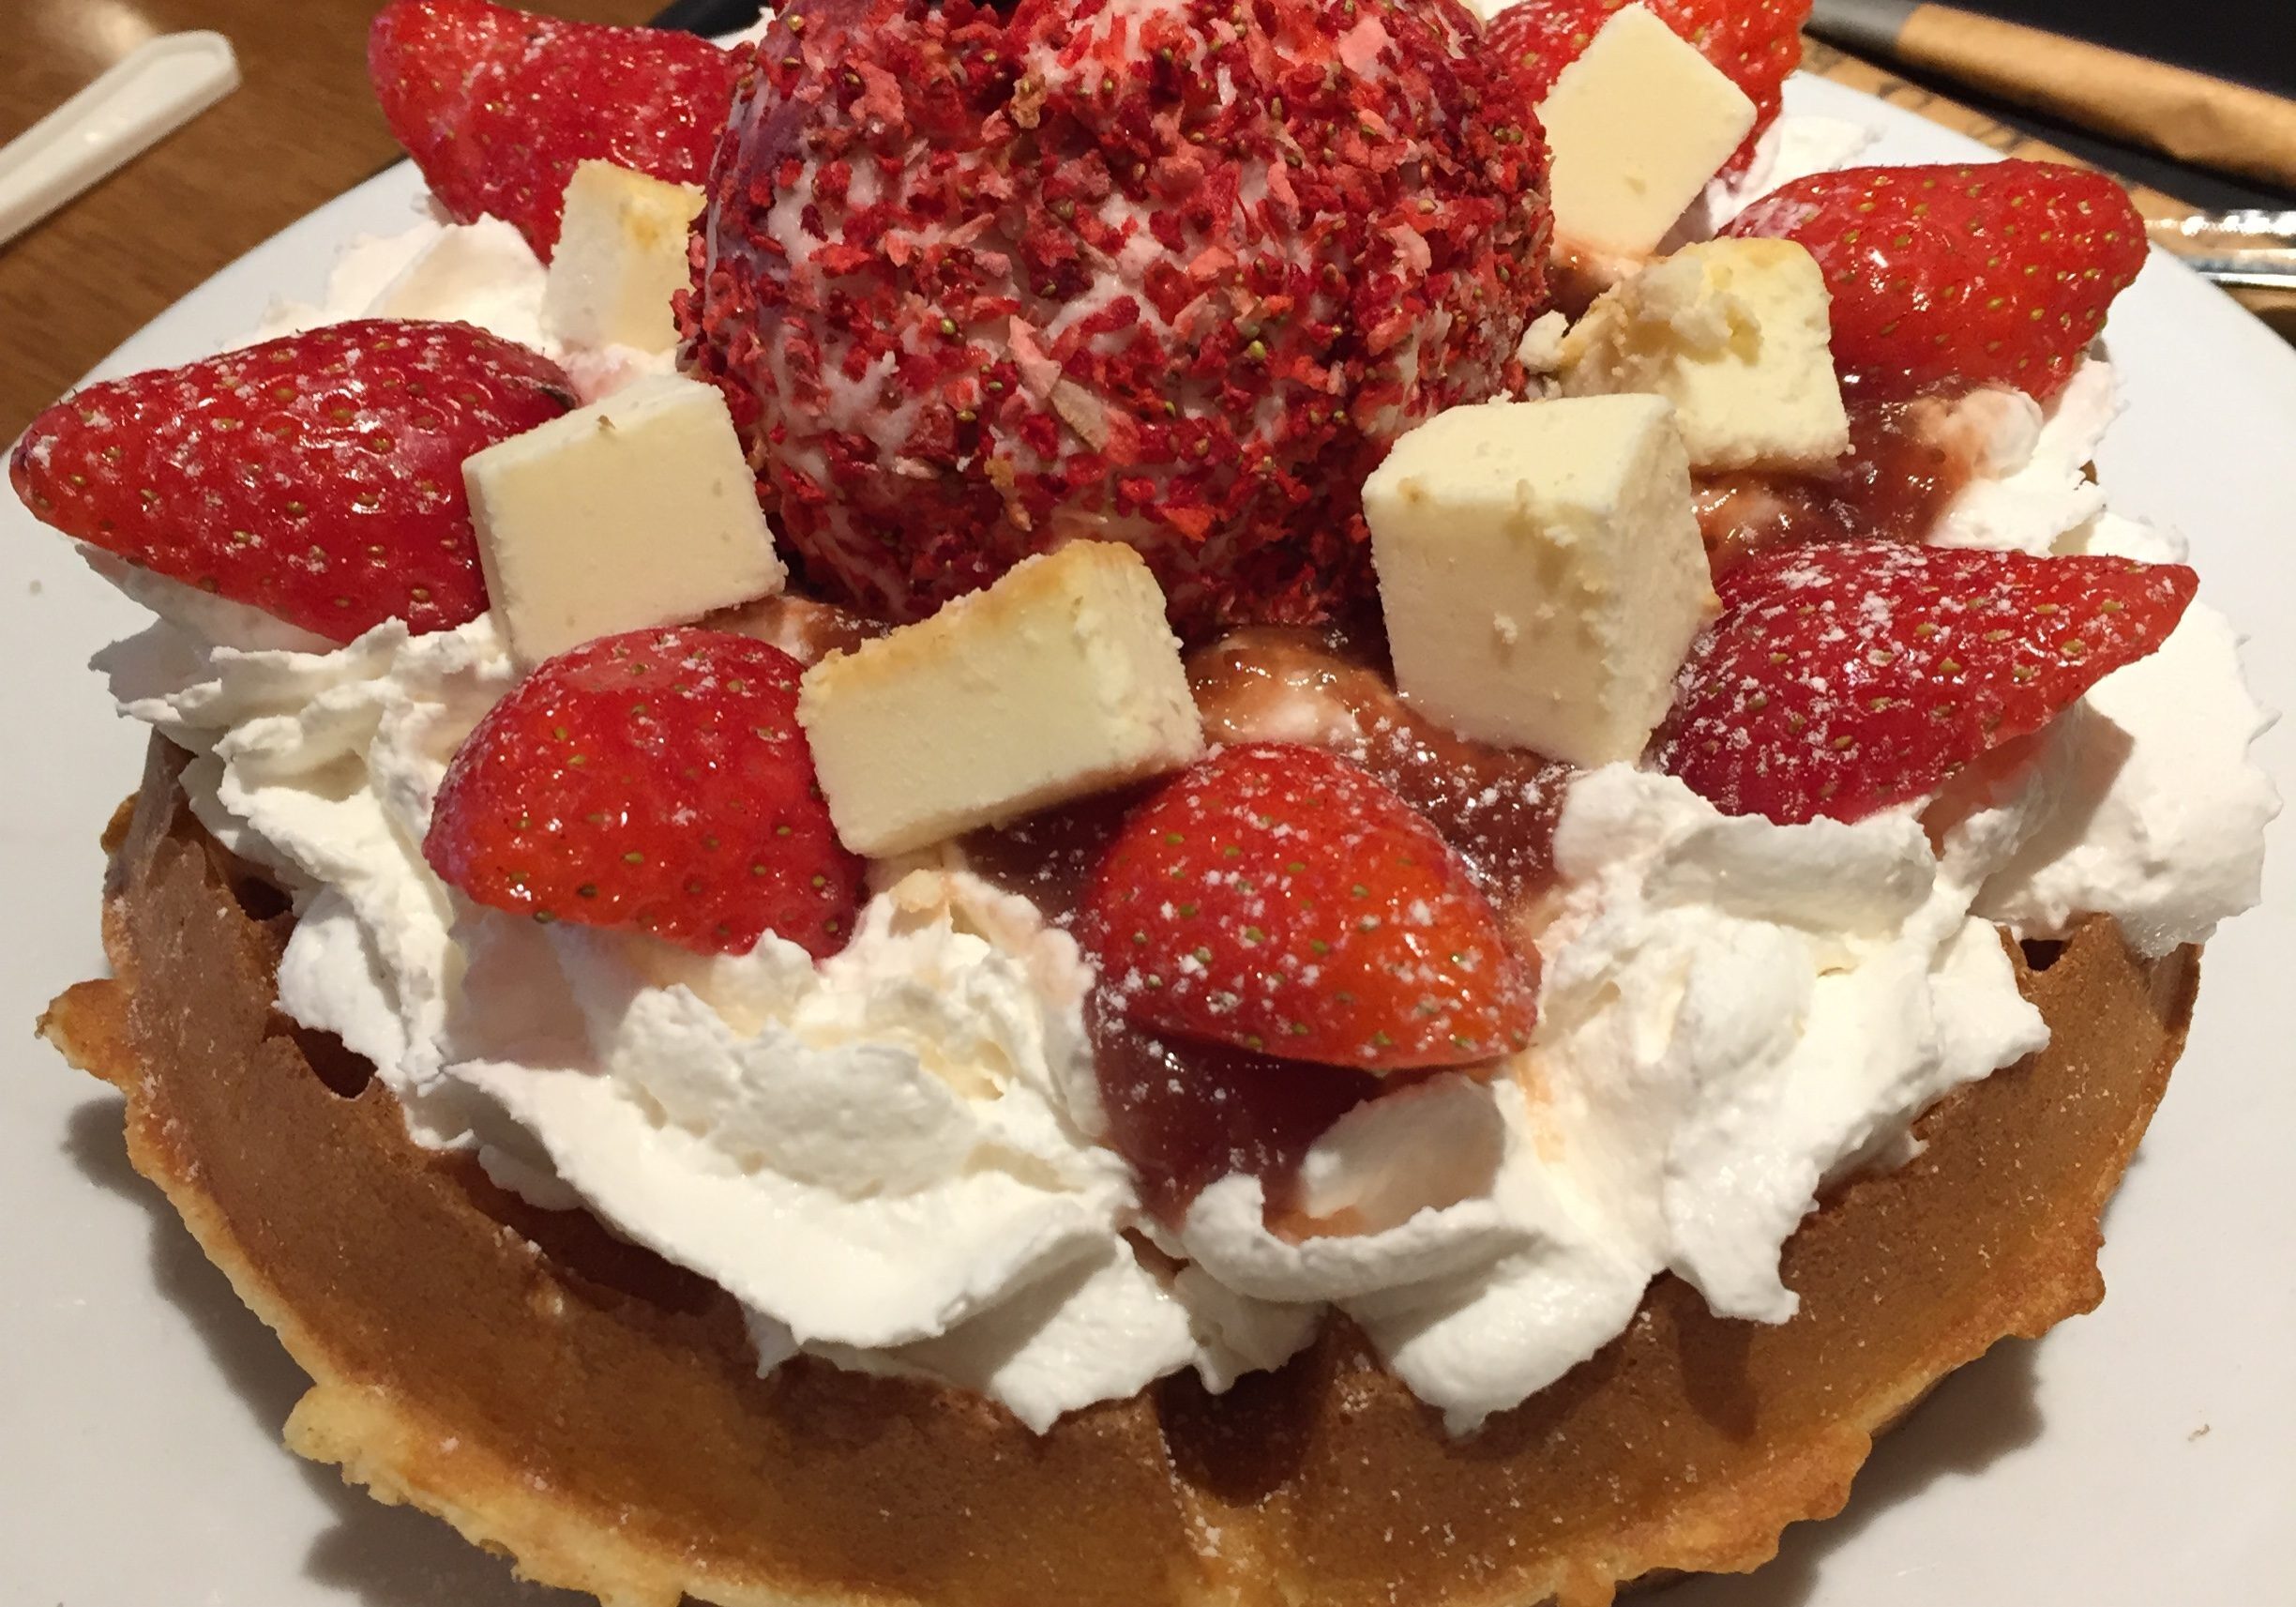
<point>621,254</point>
<point>1635,127</point>
<point>1059,680</point>
<point>1541,571</point>
<point>1736,335</point>
<point>637,510</point>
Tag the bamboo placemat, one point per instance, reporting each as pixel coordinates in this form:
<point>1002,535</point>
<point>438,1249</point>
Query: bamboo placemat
<point>2276,307</point>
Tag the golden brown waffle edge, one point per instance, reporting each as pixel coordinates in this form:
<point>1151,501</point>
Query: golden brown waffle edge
<point>572,1402</point>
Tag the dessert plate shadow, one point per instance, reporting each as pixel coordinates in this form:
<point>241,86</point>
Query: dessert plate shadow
<point>2138,1455</point>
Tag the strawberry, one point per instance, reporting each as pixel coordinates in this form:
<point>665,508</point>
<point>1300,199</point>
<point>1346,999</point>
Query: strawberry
<point>656,781</point>
<point>496,107</point>
<point>1278,898</point>
<point>318,478</point>
<point>1999,274</point>
<point>1842,678</point>
<point>1756,43</point>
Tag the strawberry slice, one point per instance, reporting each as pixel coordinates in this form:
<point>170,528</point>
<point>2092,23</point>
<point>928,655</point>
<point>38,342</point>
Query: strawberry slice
<point>1998,274</point>
<point>1278,899</point>
<point>318,478</point>
<point>656,781</point>
<point>1756,43</point>
<point>496,107</point>
<point>1846,677</point>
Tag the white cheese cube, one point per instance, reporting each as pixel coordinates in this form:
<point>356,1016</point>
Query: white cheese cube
<point>1735,334</point>
<point>620,255</point>
<point>1541,571</point>
<point>1635,127</point>
<point>637,510</point>
<point>1059,680</point>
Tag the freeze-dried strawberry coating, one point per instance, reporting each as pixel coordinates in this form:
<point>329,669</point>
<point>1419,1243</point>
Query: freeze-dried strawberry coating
<point>1172,272</point>
<point>317,476</point>
<point>656,781</point>
<point>1279,899</point>
<point>1846,677</point>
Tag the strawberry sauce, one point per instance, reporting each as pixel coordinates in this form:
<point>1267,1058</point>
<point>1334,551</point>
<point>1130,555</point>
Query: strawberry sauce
<point>1496,805</point>
<point>1907,461</point>
<point>1185,1113</point>
<point>1049,857</point>
<point>1188,1113</point>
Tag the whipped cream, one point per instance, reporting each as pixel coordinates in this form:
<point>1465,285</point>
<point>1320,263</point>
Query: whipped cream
<point>482,273</point>
<point>2165,825</point>
<point>880,1157</point>
<point>1794,146</point>
<point>893,1160</point>
<point>203,614</point>
<point>2164,829</point>
<point>364,268</point>
<point>321,767</point>
<point>1733,1012</point>
<point>2029,487</point>
<point>872,1155</point>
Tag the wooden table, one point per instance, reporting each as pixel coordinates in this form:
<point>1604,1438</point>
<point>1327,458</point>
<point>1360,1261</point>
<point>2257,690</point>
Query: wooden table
<point>302,128</point>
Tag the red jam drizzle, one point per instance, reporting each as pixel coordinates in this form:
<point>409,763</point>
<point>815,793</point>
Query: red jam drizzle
<point>1049,857</point>
<point>1496,805</point>
<point>1185,1113</point>
<point>1905,461</point>
<point>805,627</point>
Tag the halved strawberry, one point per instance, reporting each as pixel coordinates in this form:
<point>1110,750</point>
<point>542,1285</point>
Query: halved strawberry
<point>1995,274</point>
<point>1756,43</point>
<point>1278,898</point>
<point>1843,678</point>
<point>318,478</point>
<point>656,781</point>
<point>496,107</point>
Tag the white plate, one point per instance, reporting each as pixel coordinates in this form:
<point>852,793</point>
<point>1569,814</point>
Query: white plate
<point>2140,1455</point>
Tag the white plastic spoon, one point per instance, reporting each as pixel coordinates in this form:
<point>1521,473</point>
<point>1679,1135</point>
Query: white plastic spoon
<point>149,94</point>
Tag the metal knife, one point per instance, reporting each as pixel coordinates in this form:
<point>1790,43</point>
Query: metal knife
<point>2246,248</point>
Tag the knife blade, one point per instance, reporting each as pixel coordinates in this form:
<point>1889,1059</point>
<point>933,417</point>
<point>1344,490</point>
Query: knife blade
<point>2255,249</point>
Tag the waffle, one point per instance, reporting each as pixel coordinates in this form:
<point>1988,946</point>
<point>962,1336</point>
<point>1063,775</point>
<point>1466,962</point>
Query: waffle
<point>595,1414</point>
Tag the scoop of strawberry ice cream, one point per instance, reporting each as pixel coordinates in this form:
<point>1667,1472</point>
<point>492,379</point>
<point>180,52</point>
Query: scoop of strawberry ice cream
<point>1174,272</point>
